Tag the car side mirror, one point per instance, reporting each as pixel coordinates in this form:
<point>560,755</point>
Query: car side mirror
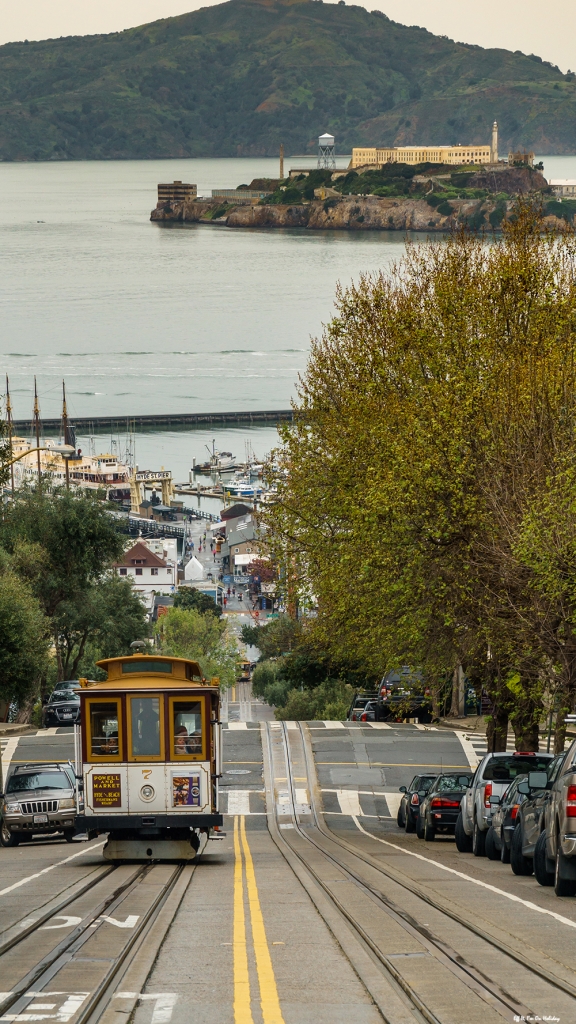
<point>495,799</point>
<point>524,786</point>
<point>464,781</point>
<point>402,789</point>
<point>537,780</point>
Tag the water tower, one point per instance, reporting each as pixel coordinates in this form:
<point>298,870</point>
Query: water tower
<point>326,152</point>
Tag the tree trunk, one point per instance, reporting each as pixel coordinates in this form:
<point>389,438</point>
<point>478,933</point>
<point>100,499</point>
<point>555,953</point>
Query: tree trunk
<point>497,730</point>
<point>454,706</point>
<point>25,710</point>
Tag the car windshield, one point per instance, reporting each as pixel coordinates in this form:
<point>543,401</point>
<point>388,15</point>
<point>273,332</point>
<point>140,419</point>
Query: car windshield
<point>38,780</point>
<point>447,783</point>
<point>422,782</point>
<point>66,695</point>
<point>506,769</point>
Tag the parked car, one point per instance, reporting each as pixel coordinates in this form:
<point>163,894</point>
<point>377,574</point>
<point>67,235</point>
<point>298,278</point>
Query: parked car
<point>63,708</point>
<point>440,808</point>
<point>363,708</point>
<point>560,827</point>
<point>504,820</point>
<point>529,837</point>
<point>397,703</point>
<point>492,778</point>
<point>409,808</point>
<point>40,799</point>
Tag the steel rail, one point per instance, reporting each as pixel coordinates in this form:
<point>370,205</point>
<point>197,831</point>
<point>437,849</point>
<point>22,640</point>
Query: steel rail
<point>473,978</point>
<point>409,885</point>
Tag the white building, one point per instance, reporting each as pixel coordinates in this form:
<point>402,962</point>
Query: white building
<point>150,573</point>
<point>563,187</point>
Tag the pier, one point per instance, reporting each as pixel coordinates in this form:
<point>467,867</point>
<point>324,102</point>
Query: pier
<point>169,421</point>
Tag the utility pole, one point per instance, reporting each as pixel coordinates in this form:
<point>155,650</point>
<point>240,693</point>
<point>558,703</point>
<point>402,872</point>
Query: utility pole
<point>281,161</point>
<point>37,429</point>
<point>9,423</point>
<point>65,429</point>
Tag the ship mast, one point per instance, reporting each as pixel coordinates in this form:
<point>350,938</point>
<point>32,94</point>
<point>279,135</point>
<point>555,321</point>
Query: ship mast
<point>65,429</point>
<point>37,430</point>
<point>10,430</point>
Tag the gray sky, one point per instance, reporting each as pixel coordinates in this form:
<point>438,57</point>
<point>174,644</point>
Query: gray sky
<point>527,25</point>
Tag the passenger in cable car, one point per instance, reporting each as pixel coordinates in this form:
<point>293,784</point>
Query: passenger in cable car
<point>110,744</point>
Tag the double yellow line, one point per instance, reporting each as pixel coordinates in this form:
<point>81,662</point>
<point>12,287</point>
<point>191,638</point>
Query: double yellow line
<point>271,1012</point>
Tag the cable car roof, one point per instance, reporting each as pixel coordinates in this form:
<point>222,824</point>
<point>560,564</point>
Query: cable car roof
<point>155,671</point>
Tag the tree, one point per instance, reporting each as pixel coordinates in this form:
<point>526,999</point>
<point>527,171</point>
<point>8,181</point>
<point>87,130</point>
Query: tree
<point>107,618</point>
<point>24,640</point>
<point>189,597</point>
<point>435,420</point>
<point>202,637</point>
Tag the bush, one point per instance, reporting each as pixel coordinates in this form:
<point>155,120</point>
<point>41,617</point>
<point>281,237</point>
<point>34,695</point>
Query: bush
<point>328,702</point>
<point>445,209</point>
<point>264,676</point>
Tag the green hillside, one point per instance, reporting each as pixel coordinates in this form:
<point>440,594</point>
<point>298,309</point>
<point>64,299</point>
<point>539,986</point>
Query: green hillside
<point>240,78</point>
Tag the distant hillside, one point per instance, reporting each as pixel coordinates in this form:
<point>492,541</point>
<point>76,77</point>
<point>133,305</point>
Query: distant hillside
<point>240,78</point>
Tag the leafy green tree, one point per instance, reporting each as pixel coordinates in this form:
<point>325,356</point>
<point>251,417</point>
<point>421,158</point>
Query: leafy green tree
<point>24,641</point>
<point>189,597</point>
<point>202,637</point>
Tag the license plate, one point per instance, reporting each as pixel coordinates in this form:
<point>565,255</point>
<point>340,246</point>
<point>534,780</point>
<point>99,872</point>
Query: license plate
<point>40,819</point>
<point>66,715</point>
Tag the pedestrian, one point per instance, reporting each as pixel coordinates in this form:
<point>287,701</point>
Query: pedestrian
<point>239,595</point>
<point>228,591</point>
<point>225,600</point>
<point>214,557</point>
<point>192,545</point>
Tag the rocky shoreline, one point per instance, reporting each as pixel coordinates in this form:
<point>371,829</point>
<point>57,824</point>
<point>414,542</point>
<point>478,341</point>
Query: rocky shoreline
<point>351,213</point>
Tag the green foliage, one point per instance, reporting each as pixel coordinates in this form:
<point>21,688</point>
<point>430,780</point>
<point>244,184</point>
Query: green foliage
<point>564,210</point>
<point>189,597</point>
<point>25,639</point>
<point>498,214</point>
<point>444,208</point>
<point>328,702</point>
<point>277,637</point>
<point>202,637</point>
<point>240,78</point>
<point>263,676</point>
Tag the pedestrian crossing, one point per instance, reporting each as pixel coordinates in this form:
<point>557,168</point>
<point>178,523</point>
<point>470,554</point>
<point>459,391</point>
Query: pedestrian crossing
<point>361,803</point>
<point>243,801</point>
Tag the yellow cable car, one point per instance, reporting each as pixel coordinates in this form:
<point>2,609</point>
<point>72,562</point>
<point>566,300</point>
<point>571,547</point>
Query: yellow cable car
<point>149,753</point>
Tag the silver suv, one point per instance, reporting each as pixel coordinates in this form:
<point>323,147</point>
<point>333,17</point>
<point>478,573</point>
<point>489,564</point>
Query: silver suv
<point>40,799</point>
<point>492,778</point>
<point>560,825</point>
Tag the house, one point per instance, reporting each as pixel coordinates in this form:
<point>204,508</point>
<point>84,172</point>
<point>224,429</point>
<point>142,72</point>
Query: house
<point>564,188</point>
<point>150,573</point>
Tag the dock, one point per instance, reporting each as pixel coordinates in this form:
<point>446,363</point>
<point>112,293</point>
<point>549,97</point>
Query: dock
<point>144,422</point>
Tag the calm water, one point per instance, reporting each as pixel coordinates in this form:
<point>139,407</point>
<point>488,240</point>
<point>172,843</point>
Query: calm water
<point>139,318</point>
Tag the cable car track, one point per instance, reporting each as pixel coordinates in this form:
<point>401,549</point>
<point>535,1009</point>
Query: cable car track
<point>105,970</point>
<point>340,854</point>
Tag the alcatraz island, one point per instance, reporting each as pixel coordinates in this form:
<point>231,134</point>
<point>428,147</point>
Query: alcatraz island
<point>415,188</point>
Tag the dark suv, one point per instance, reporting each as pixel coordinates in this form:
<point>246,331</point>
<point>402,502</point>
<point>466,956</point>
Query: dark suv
<point>63,707</point>
<point>40,799</point>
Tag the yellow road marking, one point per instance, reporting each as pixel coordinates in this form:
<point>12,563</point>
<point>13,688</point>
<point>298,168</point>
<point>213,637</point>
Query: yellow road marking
<point>269,1001</point>
<point>242,1008</point>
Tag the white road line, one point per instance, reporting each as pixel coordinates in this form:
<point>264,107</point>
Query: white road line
<point>471,754</point>
<point>468,878</point>
<point>291,725</point>
<point>379,725</point>
<point>239,801</point>
<point>38,874</point>
<point>393,801</point>
<point>349,801</point>
<point>237,725</point>
<point>8,754</point>
<point>334,725</point>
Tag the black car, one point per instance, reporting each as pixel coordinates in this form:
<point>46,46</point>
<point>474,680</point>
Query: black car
<point>63,708</point>
<point>528,842</point>
<point>409,808</point>
<point>441,806</point>
<point>398,704</point>
<point>363,708</point>
<point>505,810</point>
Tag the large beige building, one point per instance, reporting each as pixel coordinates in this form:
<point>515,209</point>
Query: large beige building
<point>373,156</point>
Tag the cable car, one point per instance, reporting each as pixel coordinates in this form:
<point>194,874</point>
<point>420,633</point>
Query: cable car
<point>148,751</point>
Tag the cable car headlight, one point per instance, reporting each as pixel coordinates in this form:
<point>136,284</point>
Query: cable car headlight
<point>147,792</point>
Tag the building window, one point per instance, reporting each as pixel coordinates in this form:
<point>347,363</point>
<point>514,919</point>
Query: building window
<point>123,572</point>
<point>153,571</point>
<point>138,572</point>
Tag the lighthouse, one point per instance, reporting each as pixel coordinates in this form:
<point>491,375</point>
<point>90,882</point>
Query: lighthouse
<point>494,144</point>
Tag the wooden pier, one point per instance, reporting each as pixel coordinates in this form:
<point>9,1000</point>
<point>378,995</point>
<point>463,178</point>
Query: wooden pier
<point>144,422</point>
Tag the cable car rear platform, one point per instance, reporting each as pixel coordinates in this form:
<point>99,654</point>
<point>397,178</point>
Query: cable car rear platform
<point>144,823</point>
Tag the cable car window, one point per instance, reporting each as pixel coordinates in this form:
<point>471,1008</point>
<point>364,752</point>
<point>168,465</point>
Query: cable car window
<point>186,728</point>
<point>104,729</point>
<point>145,726</point>
<point>147,666</point>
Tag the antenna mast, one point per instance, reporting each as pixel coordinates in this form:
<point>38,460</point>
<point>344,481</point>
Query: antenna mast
<point>65,430</point>
<point>10,429</point>
<point>37,431</point>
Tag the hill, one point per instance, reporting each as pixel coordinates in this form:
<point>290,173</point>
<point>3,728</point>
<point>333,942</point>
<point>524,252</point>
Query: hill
<point>239,78</point>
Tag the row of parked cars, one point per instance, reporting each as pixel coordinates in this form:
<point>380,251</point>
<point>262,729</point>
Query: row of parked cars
<point>517,807</point>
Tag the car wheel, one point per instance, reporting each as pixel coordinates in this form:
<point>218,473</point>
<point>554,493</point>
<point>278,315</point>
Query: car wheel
<point>409,826</point>
<point>492,851</point>
<point>543,876</point>
<point>8,838</point>
<point>429,832</point>
<point>400,818</point>
<point>68,834</point>
<point>463,841</point>
<point>420,827</point>
<point>562,886</point>
<point>478,841</point>
<point>520,864</point>
<point>504,852</point>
